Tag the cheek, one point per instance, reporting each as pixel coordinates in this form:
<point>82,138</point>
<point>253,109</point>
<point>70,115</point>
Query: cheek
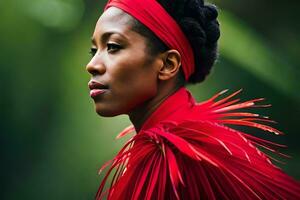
<point>132,85</point>
<point>136,88</point>
<point>132,70</point>
<point>132,81</point>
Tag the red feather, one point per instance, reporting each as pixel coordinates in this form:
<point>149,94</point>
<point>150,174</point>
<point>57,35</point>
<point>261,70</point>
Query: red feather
<point>186,151</point>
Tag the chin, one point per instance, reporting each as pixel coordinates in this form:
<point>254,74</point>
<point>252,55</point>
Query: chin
<point>105,112</point>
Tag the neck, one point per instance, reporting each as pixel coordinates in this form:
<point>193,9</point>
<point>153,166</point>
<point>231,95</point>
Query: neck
<point>141,113</point>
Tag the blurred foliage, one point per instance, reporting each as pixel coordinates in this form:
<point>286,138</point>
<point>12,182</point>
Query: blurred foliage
<point>52,141</point>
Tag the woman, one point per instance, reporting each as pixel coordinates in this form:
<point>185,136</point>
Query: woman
<point>144,52</point>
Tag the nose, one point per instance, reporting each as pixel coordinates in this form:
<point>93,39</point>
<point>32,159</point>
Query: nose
<point>96,66</point>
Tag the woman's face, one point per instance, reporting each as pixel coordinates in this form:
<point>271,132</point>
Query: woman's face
<point>123,75</point>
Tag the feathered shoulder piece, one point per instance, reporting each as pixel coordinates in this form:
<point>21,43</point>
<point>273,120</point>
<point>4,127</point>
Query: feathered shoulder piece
<point>185,150</point>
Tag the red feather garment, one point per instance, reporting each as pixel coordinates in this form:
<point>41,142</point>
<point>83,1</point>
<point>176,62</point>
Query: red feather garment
<point>185,151</point>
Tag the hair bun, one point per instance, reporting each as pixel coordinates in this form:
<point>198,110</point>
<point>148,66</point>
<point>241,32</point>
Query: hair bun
<point>212,32</point>
<point>191,27</point>
<point>210,12</point>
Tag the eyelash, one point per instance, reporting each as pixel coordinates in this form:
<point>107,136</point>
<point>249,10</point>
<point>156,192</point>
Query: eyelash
<point>93,51</point>
<point>111,48</point>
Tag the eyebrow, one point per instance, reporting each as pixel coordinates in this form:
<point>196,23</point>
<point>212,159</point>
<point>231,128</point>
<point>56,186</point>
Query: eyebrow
<point>104,37</point>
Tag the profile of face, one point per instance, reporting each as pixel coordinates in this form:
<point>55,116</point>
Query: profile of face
<point>123,75</point>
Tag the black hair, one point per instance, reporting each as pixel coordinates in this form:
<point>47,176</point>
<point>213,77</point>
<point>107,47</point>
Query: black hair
<point>199,23</point>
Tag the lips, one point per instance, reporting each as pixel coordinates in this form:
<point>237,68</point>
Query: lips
<point>96,88</point>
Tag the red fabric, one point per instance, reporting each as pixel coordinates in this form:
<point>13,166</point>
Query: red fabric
<point>185,151</point>
<point>153,16</point>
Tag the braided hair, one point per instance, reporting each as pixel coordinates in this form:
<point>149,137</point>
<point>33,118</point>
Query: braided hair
<point>199,23</point>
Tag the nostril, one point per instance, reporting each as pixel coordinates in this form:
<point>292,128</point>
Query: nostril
<point>93,72</point>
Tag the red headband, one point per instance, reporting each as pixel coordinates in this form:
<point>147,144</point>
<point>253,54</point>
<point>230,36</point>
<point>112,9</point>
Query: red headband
<point>153,15</point>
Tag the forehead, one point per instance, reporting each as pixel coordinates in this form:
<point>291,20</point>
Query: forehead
<point>114,14</point>
<point>113,20</point>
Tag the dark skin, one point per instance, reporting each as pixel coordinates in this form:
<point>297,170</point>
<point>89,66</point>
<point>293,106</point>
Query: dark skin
<point>135,82</point>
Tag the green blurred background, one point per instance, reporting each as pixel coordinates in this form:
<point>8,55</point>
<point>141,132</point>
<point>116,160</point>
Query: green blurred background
<point>52,141</point>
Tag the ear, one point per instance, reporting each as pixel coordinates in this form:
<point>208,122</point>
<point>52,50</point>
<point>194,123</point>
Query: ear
<point>171,65</point>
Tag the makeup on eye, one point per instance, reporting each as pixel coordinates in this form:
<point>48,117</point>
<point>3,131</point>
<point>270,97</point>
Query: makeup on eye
<point>110,46</point>
<point>93,51</point>
<point>113,47</point>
